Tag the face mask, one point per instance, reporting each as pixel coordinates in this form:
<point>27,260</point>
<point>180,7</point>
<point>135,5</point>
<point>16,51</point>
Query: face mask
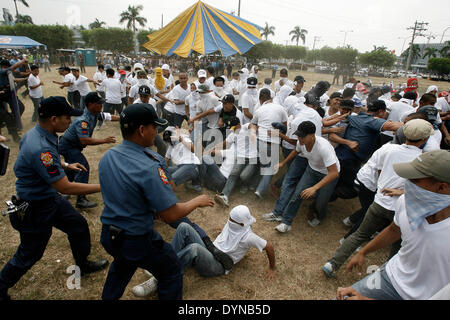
<point>421,203</point>
<point>219,90</point>
<point>142,82</point>
<point>196,95</point>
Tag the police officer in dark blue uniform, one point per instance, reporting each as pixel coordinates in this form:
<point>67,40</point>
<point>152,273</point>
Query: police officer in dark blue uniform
<point>78,136</point>
<point>40,176</point>
<point>135,187</point>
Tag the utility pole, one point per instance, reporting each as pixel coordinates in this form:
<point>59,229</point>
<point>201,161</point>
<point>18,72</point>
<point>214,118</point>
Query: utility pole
<point>162,20</point>
<point>345,37</point>
<point>239,9</point>
<point>429,37</point>
<point>418,28</point>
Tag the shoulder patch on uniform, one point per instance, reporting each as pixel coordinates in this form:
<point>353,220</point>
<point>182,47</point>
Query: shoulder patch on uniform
<point>163,176</point>
<point>47,159</point>
<point>84,125</point>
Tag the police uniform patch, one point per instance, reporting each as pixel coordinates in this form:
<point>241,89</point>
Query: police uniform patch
<point>47,159</point>
<point>53,171</point>
<point>163,176</point>
<point>84,125</point>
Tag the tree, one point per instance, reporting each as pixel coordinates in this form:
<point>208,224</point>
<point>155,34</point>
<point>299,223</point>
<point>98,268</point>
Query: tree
<point>382,48</point>
<point>312,55</point>
<point>267,31</point>
<point>113,39</point>
<point>97,24</point>
<point>378,59</point>
<point>440,66</point>
<point>430,52</point>
<point>142,37</point>
<point>294,53</point>
<point>24,2</point>
<point>298,34</point>
<point>415,53</point>
<point>445,51</point>
<point>24,19</point>
<point>131,17</point>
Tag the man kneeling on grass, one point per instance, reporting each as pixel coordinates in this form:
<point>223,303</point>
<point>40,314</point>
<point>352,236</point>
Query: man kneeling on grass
<point>235,240</point>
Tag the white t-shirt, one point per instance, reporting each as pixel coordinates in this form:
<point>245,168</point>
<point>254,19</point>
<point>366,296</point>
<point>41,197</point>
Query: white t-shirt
<point>134,90</point>
<point>34,81</point>
<point>207,103</point>
<point>442,104</point>
<point>250,240</point>
<point>293,124</point>
<point>70,78</point>
<point>388,178</point>
<point>368,174</point>
<point>288,82</point>
<point>322,155</point>
<point>234,84</point>
<point>398,109</point>
<point>113,90</point>
<point>421,268</point>
<point>267,114</point>
<point>178,93</point>
<point>151,102</point>
<point>192,100</point>
<point>99,77</point>
<point>249,102</point>
<point>243,144</point>
<point>82,85</point>
<point>180,154</point>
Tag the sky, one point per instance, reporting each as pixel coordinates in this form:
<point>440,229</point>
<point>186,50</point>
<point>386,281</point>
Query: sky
<point>364,24</point>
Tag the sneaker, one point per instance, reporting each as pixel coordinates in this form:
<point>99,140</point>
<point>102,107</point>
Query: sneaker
<point>189,186</point>
<point>341,241</point>
<point>271,217</point>
<point>347,222</point>
<point>283,228</point>
<point>329,270</point>
<point>243,190</point>
<point>314,222</point>
<point>145,288</point>
<point>222,199</point>
<point>258,195</point>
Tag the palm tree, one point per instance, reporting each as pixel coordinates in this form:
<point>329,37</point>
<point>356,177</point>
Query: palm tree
<point>430,52</point>
<point>382,48</point>
<point>24,19</point>
<point>445,51</point>
<point>131,16</point>
<point>96,24</point>
<point>298,34</point>
<point>415,53</point>
<point>267,31</point>
<point>24,2</point>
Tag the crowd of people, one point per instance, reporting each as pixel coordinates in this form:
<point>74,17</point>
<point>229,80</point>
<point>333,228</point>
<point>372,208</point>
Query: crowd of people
<point>221,132</point>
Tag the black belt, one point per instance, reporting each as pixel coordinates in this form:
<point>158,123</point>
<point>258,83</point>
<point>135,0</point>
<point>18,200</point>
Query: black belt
<point>129,236</point>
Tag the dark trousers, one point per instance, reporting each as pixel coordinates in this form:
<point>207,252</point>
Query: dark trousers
<point>345,186</point>
<point>366,198</point>
<point>35,231</point>
<point>75,156</point>
<point>111,108</point>
<point>155,256</point>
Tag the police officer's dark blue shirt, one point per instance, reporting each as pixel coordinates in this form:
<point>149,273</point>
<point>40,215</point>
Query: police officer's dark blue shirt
<point>364,129</point>
<point>134,185</point>
<point>81,127</point>
<point>38,165</point>
<point>4,82</point>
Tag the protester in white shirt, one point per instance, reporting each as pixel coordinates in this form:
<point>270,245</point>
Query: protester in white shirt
<point>318,179</point>
<point>35,88</point>
<point>175,110</point>
<point>184,161</point>
<point>284,80</point>
<point>249,100</point>
<point>219,87</point>
<point>243,76</point>
<point>234,87</point>
<point>141,80</point>
<point>113,93</point>
<point>254,72</point>
<point>98,77</point>
<point>68,81</point>
<point>389,187</point>
<point>82,84</point>
<point>269,144</point>
<point>213,176</point>
<point>168,75</point>
<point>421,222</point>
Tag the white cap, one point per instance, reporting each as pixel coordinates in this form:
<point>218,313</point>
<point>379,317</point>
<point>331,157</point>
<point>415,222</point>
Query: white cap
<point>138,66</point>
<point>165,67</point>
<point>201,73</point>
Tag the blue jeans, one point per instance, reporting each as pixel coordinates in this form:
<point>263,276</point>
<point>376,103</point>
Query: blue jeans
<point>309,179</point>
<point>82,102</point>
<point>377,286</point>
<point>244,170</point>
<point>184,173</point>
<point>292,178</point>
<point>267,162</point>
<point>36,103</point>
<point>210,174</point>
<point>192,252</point>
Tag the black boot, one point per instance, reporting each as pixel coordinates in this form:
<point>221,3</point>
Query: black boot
<point>84,203</point>
<point>93,266</point>
<point>220,256</point>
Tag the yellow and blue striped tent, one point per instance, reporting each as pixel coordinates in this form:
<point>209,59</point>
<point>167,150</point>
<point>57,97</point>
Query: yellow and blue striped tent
<point>204,29</point>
